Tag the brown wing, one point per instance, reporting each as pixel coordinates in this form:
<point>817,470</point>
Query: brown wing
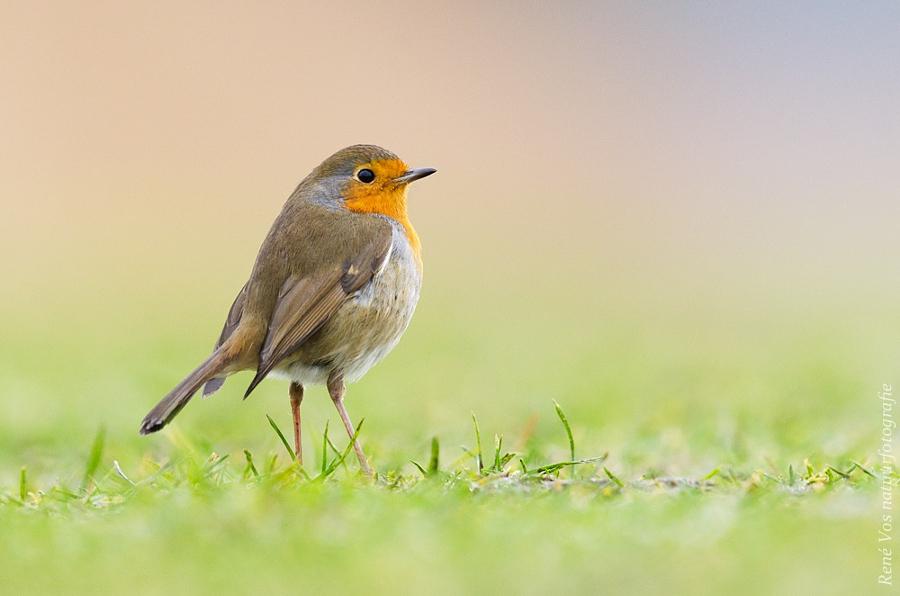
<point>231,323</point>
<point>306,303</point>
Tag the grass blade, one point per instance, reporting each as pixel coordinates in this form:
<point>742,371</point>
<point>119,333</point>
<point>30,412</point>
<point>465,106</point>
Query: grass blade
<point>23,483</point>
<point>331,445</point>
<point>433,464</point>
<point>336,463</point>
<point>860,466</point>
<point>419,467</point>
<point>711,475</point>
<point>271,464</point>
<point>613,477</point>
<point>844,475</point>
<point>284,442</point>
<point>564,464</point>
<point>565,423</point>
<point>121,473</point>
<point>325,444</point>
<point>94,457</point>
<point>478,458</point>
<point>249,457</point>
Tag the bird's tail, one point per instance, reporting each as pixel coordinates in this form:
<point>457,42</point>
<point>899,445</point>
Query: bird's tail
<point>172,403</point>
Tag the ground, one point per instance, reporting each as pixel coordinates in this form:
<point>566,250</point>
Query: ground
<point>722,451</point>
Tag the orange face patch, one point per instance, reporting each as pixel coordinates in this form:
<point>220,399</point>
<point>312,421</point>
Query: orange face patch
<point>382,195</point>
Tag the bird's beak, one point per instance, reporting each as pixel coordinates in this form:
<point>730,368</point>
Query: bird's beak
<point>415,174</point>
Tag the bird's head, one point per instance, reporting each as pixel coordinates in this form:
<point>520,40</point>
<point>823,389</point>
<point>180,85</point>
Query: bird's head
<point>364,179</point>
<point>368,179</point>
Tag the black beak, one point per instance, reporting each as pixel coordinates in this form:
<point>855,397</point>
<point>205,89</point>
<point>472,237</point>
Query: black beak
<point>415,174</point>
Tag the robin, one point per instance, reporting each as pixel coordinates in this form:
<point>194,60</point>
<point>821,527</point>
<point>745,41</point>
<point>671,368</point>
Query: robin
<point>333,288</point>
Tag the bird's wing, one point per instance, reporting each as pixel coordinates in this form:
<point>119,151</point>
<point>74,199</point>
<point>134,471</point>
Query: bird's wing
<point>231,323</point>
<point>305,303</point>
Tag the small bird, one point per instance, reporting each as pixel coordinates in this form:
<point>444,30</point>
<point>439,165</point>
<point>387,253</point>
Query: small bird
<point>333,288</point>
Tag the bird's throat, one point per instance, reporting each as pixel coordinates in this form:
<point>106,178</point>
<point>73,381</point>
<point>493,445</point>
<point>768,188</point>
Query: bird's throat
<point>388,202</point>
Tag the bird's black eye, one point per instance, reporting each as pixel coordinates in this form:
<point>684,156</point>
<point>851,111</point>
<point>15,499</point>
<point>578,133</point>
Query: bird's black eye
<point>366,175</point>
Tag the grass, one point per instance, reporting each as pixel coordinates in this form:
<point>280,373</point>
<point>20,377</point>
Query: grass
<point>113,488</point>
<point>215,501</point>
<point>621,458</point>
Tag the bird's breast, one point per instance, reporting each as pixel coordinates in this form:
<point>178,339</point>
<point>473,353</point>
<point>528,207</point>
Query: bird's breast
<point>368,326</point>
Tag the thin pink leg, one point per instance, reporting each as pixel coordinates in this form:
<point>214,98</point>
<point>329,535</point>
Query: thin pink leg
<point>297,397</point>
<point>336,390</point>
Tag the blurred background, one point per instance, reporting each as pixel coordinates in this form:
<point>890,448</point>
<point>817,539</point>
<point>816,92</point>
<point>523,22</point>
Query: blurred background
<point>642,210</point>
<point>677,219</point>
<point>658,202</point>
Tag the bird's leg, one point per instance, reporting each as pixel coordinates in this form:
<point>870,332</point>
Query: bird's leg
<point>336,390</point>
<point>296,391</point>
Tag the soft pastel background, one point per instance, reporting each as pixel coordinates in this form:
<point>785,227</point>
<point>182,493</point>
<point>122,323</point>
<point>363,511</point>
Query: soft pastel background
<point>677,219</point>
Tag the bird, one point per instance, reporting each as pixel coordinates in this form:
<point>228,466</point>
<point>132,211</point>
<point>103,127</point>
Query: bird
<point>333,288</point>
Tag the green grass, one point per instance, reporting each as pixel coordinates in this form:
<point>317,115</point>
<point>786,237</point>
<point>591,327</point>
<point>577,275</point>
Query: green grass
<point>633,452</point>
<point>518,525</point>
